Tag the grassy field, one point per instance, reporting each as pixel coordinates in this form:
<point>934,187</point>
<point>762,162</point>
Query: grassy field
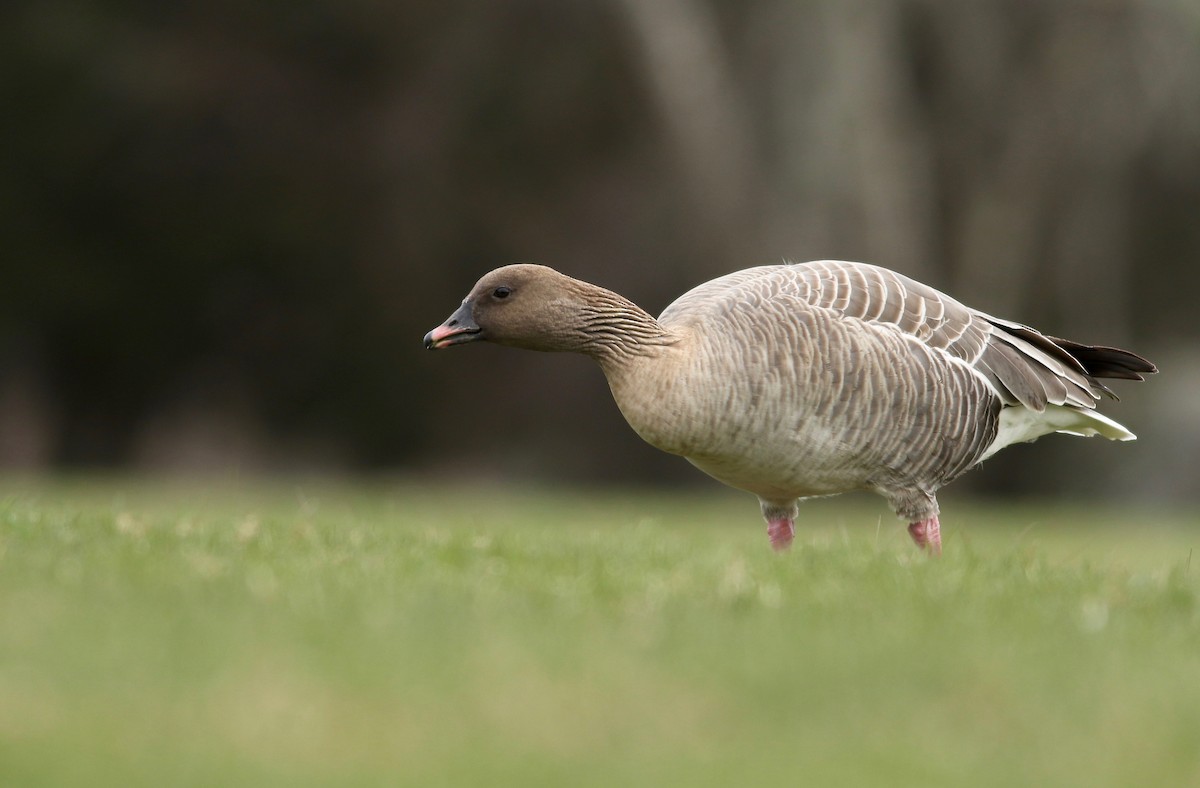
<point>161,635</point>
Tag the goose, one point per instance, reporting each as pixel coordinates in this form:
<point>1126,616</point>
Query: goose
<point>811,379</point>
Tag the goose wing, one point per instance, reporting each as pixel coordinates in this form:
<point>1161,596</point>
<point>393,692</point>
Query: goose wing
<point>1020,364</point>
<point>1023,366</point>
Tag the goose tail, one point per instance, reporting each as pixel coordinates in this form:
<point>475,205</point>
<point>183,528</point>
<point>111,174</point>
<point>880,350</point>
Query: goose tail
<point>1021,425</point>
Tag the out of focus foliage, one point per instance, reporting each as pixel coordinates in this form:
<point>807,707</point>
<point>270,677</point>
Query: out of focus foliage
<point>226,226</point>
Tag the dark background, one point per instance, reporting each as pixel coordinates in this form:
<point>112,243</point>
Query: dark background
<point>226,225</point>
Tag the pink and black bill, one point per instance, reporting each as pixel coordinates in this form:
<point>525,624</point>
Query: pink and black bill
<point>460,327</point>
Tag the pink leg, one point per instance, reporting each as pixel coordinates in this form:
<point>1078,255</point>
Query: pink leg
<point>782,532</point>
<point>927,534</point>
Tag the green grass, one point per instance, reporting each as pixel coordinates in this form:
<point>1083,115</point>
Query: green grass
<point>164,635</point>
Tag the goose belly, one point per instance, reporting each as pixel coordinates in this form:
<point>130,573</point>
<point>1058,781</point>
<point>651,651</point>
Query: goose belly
<point>811,465</point>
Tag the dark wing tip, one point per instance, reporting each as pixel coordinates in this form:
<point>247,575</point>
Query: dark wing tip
<point>1108,362</point>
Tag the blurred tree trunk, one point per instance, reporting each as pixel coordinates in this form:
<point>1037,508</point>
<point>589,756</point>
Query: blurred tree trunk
<point>686,70</point>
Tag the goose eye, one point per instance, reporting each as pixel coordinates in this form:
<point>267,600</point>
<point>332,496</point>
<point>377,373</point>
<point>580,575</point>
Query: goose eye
<point>501,292</point>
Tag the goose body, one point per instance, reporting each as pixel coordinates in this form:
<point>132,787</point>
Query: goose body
<point>793,381</point>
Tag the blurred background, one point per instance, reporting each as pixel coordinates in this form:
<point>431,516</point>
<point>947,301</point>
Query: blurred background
<point>227,226</point>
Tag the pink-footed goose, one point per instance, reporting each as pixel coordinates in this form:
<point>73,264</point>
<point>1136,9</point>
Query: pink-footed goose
<point>792,381</point>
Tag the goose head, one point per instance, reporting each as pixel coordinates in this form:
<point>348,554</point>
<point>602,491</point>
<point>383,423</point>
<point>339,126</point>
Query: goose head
<point>527,306</point>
